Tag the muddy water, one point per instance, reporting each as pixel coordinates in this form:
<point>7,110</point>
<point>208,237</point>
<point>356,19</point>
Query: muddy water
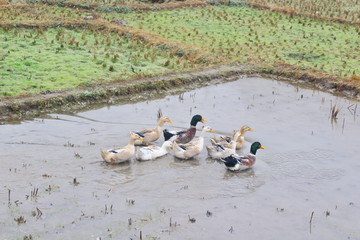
<point>57,181</point>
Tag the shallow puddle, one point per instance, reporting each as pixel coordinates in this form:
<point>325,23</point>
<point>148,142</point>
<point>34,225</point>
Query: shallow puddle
<point>304,185</point>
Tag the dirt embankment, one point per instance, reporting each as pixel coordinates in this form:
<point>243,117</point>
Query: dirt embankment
<point>28,107</point>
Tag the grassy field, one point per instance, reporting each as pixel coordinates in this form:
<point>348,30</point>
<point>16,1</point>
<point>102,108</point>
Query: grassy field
<point>41,59</point>
<point>240,34</point>
<point>344,9</point>
<point>34,61</point>
<point>39,13</point>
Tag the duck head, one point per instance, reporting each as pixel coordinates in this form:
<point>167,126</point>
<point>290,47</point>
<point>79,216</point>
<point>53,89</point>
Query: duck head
<point>245,128</point>
<point>207,129</point>
<point>165,119</point>
<point>136,136</point>
<point>167,145</point>
<point>255,146</point>
<point>195,119</point>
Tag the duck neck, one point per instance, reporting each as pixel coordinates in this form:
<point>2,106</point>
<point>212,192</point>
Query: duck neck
<point>253,150</point>
<point>131,142</point>
<point>202,134</point>
<point>242,131</point>
<point>236,136</point>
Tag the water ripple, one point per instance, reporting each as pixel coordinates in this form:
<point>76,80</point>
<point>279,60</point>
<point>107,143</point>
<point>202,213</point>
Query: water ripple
<point>310,166</point>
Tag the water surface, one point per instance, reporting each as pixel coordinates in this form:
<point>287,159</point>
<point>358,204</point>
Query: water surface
<point>58,182</point>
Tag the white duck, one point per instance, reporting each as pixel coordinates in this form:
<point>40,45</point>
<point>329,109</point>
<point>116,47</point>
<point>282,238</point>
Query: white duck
<point>121,154</point>
<point>152,152</point>
<point>223,149</point>
<point>191,149</point>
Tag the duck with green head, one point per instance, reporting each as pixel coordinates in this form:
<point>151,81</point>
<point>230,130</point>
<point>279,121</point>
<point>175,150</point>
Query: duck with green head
<point>193,148</point>
<point>184,136</point>
<point>236,162</point>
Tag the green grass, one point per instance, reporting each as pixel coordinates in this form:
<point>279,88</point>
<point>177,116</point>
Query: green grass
<point>33,61</point>
<point>40,13</point>
<point>87,2</point>
<point>243,33</point>
<point>345,9</point>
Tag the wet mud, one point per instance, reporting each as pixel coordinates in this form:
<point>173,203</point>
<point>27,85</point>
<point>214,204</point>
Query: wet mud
<point>304,185</point>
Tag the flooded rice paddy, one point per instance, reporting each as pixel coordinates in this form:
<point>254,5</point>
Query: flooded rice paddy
<point>304,185</point>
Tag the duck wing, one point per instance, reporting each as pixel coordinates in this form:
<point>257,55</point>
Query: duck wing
<point>231,160</point>
<point>145,131</point>
<point>183,147</point>
<point>217,146</point>
<point>247,160</point>
<point>117,150</point>
<point>172,135</point>
<point>190,144</point>
<point>179,147</point>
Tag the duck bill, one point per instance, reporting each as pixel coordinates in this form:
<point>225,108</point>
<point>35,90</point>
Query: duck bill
<point>140,138</point>
<point>262,147</point>
<point>203,120</point>
<point>250,129</point>
<point>211,130</point>
<point>169,121</point>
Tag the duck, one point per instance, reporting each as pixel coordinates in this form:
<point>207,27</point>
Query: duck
<point>240,141</point>
<point>223,149</point>
<point>152,152</point>
<point>192,149</point>
<point>121,154</point>
<point>236,162</point>
<point>184,136</point>
<point>152,134</point>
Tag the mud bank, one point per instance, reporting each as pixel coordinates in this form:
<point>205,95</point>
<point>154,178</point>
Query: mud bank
<point>140,89</point>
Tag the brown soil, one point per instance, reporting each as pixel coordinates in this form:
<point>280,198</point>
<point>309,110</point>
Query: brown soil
<point>29,107</point>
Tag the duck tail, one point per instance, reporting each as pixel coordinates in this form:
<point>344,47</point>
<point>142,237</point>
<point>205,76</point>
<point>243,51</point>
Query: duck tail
<point>167,134</point>
<point>159,114</point>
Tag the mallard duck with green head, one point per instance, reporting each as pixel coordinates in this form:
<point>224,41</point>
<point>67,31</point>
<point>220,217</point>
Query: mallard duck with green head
<point>184,136</point>
<point>191,149</point>
<point>236,162</point>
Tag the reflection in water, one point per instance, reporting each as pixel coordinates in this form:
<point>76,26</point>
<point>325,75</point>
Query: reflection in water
<point>241,175</point>
<point>118,174</point>
<point>185,163</point>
